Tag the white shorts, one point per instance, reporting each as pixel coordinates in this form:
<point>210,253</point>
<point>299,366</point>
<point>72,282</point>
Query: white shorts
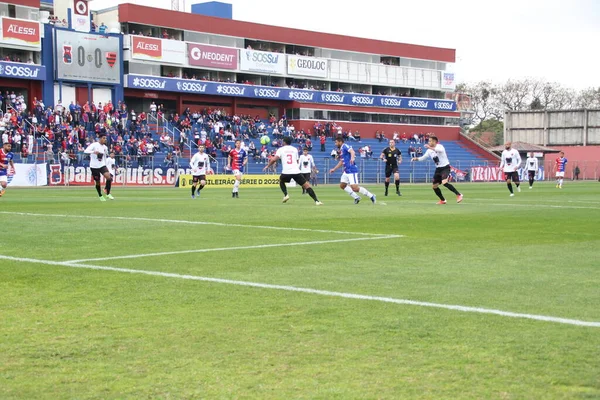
<point>237,172</point>
<point>3,178</point>
<point>350,179</point>
<point>560,174</point>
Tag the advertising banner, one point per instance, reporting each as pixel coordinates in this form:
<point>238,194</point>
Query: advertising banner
<point>28,175</point>
<point>153,49</point>
<point>496,174</point>
<point>307,66</point>
<point>448,80</point>
<point>20,32</point>
<point>82,176</point>
<point>262,61</point>
<point>22,71</point>
<point>87,57</point>
<point>276,93</point>
<point>201,55</point>
<point>80,16</point>
<point>185,180</point>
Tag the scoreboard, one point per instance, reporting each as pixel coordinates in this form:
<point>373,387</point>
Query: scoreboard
<point>87,57</point>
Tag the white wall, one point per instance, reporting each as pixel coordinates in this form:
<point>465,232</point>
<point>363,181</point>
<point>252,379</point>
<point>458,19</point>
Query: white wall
<point>101,95</point>
<point>68,94</point>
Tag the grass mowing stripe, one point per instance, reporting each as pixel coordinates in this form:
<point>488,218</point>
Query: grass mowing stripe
<point>260,246</point>
<point>176,221</point>
<point>452,307</point>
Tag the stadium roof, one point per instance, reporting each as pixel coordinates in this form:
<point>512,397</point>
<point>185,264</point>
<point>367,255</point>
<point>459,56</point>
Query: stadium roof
<point>150,16</point>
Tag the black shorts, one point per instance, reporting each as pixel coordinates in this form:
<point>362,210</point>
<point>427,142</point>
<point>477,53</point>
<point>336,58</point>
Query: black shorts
<point>197,178</point>
<point>97,172</point>
<point>441,173</point>
<point>513,176</point>
<point>531,174</point>
<point>390,170</point>
<point>298,178</point>
<point>306,176</point>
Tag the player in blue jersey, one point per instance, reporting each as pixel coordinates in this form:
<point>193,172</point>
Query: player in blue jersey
<point>6,161</point>
<point>350,175</point>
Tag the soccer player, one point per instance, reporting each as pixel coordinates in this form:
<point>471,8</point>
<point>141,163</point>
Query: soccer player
<point>532,168</point>
<point>511,160</point>
<point>350,174</point>
<point>560,166</point>
<point>288,155</point>
<point>6,160</point>
<point>111,165</point>
<point>97,152</point>
<point>200,164</point>
<point>437,153</point>
<point>392,157</point>
<point>236,161</point>
<point>307,165</point>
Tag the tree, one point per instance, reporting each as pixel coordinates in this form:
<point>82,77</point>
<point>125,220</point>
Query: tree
<point>490,125</point>
<point>588,98</point>
<point>483,101</point>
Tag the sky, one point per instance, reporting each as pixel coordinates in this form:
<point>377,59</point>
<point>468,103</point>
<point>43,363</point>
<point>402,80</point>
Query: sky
<point>552,40</point>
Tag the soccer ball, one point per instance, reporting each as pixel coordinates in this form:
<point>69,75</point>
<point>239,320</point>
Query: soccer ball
<point>265,140</point>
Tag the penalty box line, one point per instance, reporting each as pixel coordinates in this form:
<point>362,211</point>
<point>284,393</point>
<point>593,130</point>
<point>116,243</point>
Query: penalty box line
<point>479,310</point>
<point>176,221</point>
<point>259,246</point>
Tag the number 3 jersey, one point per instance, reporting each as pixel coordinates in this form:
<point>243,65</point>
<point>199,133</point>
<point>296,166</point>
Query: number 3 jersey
<point>289,160</point>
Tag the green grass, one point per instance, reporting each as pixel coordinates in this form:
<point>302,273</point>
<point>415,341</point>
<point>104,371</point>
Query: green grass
<point>80,333</point>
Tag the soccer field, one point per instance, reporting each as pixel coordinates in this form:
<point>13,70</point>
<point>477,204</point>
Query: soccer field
<point>156,295</point>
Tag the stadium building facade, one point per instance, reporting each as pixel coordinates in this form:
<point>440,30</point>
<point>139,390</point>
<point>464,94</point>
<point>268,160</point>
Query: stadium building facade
<point>190,60</point>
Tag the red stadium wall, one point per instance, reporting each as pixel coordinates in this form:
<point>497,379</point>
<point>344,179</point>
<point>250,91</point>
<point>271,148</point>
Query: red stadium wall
<point>576,153</point>
<point>367,130</point>
<point>192,22</point>
<point>27,3</point>
<point>32,88</point>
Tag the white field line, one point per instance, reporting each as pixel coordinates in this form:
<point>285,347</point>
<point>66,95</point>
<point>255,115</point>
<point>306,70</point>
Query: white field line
<point>479,310</point>
<point>175,221</point>
<point>260,246</point>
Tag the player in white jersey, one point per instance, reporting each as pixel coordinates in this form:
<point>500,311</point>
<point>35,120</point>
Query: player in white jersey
<point>511,160</point>
<point>307,165</point>
<point>532,168</point>
<point>290,170</point>
<point>111,165</point>
<point>98,152</point>
<point>437,153</point>
<point>200,164</point>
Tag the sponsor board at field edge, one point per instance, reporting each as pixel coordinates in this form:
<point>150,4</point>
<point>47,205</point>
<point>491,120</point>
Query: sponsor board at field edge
<point>87,57</point>
<point>18,31</point>
<point>75,176</point>
<point>496,174</point>
<point>22,71</point>
<point>153,49</point>
<point>185,180</point>
<point>28,175</point>
<point>276,93</point>
<point>262,61</point>
<point>201,55</point>
<point>307,66</point>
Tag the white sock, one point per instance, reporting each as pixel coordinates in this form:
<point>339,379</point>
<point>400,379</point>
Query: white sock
<point>560,181</point>
<point>351,192</point>
<point>236,186</point>
<point>364,191</point>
